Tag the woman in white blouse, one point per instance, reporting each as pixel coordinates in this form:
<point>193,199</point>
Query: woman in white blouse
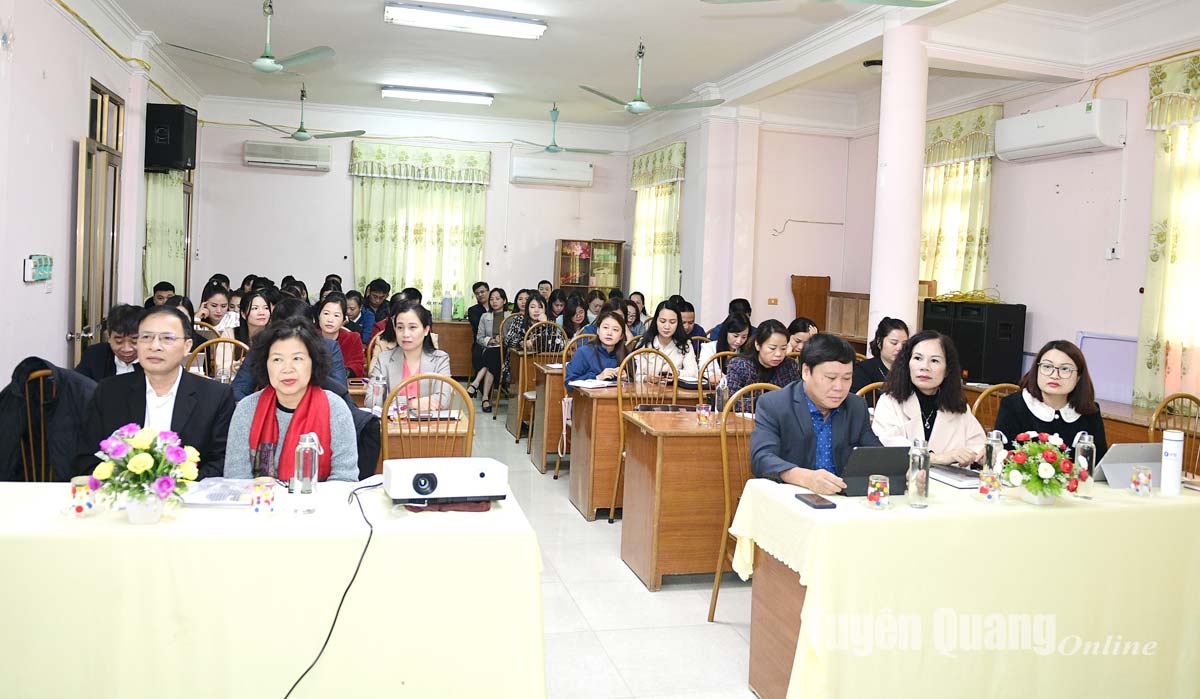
<point>923,397</point>
<point>665,333</point>
<point>735,333</point>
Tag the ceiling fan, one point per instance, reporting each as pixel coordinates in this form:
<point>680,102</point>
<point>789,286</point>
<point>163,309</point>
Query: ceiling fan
<point>267,63</point>
<point>638,106</point>
<point>895,3</point>
<point>554,147</point>
<point>301,134</point>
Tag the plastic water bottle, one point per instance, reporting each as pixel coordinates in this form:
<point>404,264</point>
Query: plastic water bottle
<point>447,307</point>
<point>460,304</point>
<point>918,474</point>
<point>305,475</point>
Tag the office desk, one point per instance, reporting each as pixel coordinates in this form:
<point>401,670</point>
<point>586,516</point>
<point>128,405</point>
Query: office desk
<point>547,416</point>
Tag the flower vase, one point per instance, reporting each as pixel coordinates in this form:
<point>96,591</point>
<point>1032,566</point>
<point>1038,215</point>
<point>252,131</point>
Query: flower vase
<point>146,510</point>
<point>1032,499</point>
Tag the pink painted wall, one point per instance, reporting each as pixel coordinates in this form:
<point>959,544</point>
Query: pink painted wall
<point>860,214</point>
<point>248,219</point>
<point>802,177</point>
<point>43,115</point>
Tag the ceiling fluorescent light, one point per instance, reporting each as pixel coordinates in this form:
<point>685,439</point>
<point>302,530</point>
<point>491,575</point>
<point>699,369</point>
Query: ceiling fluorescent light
<point>431,94</point>
<point>455,20</point>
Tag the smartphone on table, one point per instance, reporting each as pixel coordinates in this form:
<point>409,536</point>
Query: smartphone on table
<point>815,501</point>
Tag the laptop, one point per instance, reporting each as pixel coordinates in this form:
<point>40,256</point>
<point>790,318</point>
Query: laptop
<point>1117,464</point>
<point>876,461</point>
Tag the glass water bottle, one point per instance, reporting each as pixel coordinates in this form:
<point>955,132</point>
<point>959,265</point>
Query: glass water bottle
<point>304,476</point>
<point>918,474</point>
<point>1085,458</point>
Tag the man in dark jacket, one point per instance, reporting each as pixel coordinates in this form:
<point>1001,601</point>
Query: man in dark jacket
<point>64,410</point>
<point>119,354</point>
<point>163,397</point>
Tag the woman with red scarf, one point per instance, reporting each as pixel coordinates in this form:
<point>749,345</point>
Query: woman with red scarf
<point>291,361</point>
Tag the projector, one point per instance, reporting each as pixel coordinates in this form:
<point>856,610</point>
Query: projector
<point>443,480</point>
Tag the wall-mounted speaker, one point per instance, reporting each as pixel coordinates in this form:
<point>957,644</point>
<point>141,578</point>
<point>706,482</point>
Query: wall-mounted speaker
<point>170,137</point>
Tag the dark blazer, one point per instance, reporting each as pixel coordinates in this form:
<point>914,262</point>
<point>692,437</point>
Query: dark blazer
<point>98,362</point>
<point>867,372</point>
<point>785,412</point>
<point>201,417</point>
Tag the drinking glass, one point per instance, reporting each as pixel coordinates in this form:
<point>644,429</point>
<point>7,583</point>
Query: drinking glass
<point>878,489</point>
<point>263,497</point>
<point>989,485</point>
<point>1140,481</point>
<point>704,415</point>
<point>83,498</point>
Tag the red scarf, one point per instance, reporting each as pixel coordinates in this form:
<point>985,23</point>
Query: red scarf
<point>311,415</point>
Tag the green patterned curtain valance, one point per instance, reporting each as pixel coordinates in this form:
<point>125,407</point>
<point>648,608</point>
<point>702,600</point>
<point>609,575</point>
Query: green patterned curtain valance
<point>659,167</point>
<point>961,137</point>
<point>391,161</point>
<point>1174,94</point>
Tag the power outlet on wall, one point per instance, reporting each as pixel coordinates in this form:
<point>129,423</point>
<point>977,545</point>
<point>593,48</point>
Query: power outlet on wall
<point>1113,252</point>
<point>772,301</point>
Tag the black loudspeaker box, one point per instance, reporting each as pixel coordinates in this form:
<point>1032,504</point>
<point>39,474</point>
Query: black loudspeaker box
<point>990,337</point>
<point>170,137</point>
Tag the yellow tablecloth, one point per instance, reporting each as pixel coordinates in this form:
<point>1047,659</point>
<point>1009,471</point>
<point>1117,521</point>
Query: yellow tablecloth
<point>1083,576</point>
<point>226,603</point>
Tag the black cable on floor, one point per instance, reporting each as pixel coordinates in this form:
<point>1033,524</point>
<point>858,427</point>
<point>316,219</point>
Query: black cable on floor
<point>370,533</point>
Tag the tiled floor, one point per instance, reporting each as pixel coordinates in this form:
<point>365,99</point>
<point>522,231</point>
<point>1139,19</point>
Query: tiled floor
<point>606,635</point>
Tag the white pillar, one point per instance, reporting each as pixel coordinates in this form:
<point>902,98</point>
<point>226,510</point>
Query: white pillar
<point>897,237</point>
<point>133,178</point>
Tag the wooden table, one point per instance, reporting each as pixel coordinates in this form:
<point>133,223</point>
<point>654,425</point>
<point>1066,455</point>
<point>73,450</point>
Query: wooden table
<point>518,386</point>
<point>358,392</point>
<point>1123,423</point>
<point>674,495</point>
<point>596,448</point>
<point>455,338</point>
<point>547,415</point>
<point>425,434</point>
<point>775,607</point>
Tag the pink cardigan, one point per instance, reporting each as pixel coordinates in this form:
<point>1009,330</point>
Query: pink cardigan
<point>898,425</point>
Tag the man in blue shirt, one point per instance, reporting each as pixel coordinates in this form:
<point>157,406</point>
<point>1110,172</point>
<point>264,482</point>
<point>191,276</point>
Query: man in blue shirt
<point>804,432</point>
<point>735,306</point>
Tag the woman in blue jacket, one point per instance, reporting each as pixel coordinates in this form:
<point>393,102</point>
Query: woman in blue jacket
<point>600,358</point>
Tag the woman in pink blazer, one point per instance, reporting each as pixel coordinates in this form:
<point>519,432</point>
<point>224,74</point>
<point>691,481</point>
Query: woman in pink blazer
<point>923,397</point>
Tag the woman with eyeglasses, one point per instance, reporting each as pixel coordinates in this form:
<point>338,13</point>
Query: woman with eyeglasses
<point>1056,397</point>
<point>762,361</point>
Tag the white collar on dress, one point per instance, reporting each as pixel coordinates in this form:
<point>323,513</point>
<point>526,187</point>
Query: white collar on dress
<point>1044,412</point>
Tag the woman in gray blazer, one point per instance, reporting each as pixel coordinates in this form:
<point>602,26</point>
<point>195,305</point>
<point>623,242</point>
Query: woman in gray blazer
<point>489,340</point>
<point>413,354</point>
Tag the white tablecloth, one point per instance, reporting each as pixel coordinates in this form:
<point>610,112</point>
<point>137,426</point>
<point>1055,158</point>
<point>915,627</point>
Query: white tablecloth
<point>227,603</point>
<point>934,603</point>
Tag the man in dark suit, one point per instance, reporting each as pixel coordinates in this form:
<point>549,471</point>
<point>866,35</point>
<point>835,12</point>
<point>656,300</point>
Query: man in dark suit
<point>474,313</point>
<point>164,397</point>
<point>804,433</point>
<point>119,354</point>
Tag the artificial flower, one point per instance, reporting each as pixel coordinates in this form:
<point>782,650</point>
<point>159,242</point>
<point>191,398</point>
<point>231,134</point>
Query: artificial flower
<point>168,437</point>
<point>1065,466</point>
<point>1024,436</point>
<point>1015,477</point>
<point>1045,470</point>
<point>1020,457</point>
<point>144,439</point>
<point>127,431</point>
<point>93,483</point>
<point>1043,436</point>
<point>103,471</point>
<point>164,486</point>
<point>176,455</point>
<point>192,455</point>
<point>115,448</point>
<point>188,471</point>
<point>140,463</point>
<point>1049,456</point>
<point>1056,440</point>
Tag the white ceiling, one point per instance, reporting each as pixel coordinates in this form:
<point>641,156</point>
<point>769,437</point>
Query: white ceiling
<point>1080,8</point>
<point>589,41</point>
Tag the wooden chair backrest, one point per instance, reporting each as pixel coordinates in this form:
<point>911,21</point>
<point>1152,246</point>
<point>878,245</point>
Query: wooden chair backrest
<point>632,344</point>
<point>221,353</point>
<point>34,465</point>
<point>735,443</point>
<point>372,346</point>
<point>1180,411</point>
<point>632,392</point>
<point>201,325</point>
<point>870,393</point>
<point>988,404</point>
<point>714,373</point>
<point>548,341</point>
<point>860,357</point>
<point>427,438</point>
<point>574,344</point>
<point>508,320</point>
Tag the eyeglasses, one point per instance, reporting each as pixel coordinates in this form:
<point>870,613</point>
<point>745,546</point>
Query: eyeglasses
<point>1064,372</point>
<point>167,339</point>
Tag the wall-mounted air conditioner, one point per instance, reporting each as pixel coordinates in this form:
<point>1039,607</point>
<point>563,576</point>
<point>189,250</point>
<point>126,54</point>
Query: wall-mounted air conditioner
<point>556,172</point>
<point>1085,127</point>
<point>296,156</point>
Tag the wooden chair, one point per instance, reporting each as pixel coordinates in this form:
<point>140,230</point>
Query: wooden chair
<point>498,387</point>
<point>544,343</point>
<point>870,393</point>
<point>198,325</point>
<point>721,359</point>
<point>988,404</point>
<point>35,467</point>
<point>860,357</point>
<point>634,392</point>
<point>372,346</point>
<point>427,438</point>
<point>222,352</point>
<point>1180,411</point>
<point>795,357</point>
<point>632,344</point>
<point>735,464</point>
<point>569,351</point>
